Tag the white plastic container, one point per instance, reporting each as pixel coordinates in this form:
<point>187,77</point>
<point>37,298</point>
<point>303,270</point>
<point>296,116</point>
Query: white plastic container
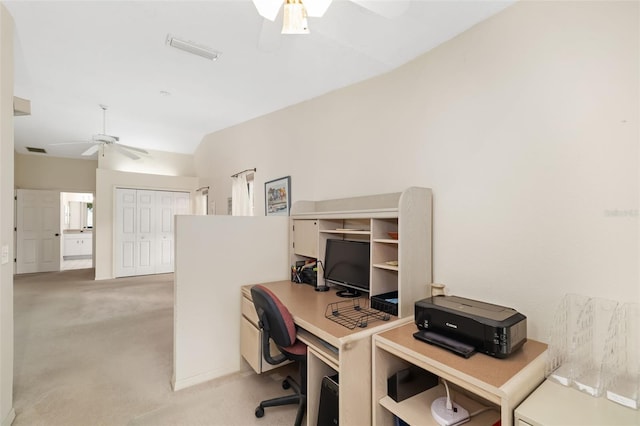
<point>593,331</point>
<point>561,362</point>
<point>621,364</point>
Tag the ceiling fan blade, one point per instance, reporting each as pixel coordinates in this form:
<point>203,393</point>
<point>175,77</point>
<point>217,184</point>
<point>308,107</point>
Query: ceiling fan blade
<point>125,151</point>
<point>268,8</point>
<point>92,150</point>
<point>133,148</point>
<point>388,9</point>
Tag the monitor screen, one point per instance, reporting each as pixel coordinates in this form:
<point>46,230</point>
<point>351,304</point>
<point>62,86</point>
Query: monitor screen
<point>346,263</point>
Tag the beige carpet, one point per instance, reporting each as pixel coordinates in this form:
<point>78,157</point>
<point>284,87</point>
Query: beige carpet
<point>100,353</point>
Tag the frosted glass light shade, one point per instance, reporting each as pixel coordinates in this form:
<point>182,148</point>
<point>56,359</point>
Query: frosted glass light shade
<point>268,8</point>
<point>316,8</point>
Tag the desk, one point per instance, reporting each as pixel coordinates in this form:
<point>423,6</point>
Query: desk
<point>502,383</point>
<point>349,354</point>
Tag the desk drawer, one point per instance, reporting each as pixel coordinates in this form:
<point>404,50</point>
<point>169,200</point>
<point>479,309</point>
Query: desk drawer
<point>251,347</point>
<point>249,311</point>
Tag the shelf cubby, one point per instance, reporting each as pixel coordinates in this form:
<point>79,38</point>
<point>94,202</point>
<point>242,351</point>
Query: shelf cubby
<point>376,219</point>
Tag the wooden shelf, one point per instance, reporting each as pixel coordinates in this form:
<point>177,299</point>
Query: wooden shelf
<point>345,231</point>
<point>417,409</point>
<point>385,266</point>
<point>385,241</point>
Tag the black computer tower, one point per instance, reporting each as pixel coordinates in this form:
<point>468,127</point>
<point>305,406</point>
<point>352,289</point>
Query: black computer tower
<point>328,410</point>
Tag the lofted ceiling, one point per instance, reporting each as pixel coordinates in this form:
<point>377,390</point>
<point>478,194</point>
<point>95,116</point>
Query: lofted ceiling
<point>72,56</point>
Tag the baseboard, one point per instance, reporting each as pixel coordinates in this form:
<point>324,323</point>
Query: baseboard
<point>10,418</point>
<point>200,378</point>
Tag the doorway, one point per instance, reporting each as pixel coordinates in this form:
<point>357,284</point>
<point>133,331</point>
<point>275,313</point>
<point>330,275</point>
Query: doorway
<point>76,215</point>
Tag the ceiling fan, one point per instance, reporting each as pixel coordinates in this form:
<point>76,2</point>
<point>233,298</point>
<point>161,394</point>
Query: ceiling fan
<point>296,11</point>
<point>103,139</point>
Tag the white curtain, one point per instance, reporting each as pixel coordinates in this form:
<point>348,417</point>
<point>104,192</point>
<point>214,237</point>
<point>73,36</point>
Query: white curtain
<point>240,199</point>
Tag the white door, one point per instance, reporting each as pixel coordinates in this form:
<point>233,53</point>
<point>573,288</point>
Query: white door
<point>146,238</point>
<point>168,204</point>
<point>38,231</point>
<point>144,230</point>
<point>164,242</point>
<point>125,232</point>
<point>182,202</point>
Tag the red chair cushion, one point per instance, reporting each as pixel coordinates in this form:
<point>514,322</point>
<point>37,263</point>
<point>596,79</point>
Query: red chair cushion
<point>286,315</point>
<point>298,349</point>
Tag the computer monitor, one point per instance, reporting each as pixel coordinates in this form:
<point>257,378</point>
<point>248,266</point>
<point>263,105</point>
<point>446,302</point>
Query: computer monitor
<point>347,264</point>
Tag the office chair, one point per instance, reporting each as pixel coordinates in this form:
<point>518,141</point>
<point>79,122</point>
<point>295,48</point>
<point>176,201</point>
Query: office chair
<point>276,323</point>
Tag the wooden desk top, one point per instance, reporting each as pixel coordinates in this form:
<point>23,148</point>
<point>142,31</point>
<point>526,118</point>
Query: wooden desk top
<point>308,308</point>
<point>492,371</point>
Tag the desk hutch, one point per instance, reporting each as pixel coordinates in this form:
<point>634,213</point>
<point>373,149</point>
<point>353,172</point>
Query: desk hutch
<point>373,218</point>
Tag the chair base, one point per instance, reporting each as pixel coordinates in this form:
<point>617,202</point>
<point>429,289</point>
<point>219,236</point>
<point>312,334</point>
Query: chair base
<point>297,398</point>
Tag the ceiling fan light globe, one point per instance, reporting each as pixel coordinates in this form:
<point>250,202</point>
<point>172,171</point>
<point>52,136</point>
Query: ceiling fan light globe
<point>268,8</point>
<point>105,138</point>
<point>295,18</point>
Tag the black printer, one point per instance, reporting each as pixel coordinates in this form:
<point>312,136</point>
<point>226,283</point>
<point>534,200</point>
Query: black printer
<point>464,325</point>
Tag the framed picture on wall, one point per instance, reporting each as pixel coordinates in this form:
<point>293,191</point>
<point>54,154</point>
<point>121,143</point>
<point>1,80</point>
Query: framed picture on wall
<point>277,197</point>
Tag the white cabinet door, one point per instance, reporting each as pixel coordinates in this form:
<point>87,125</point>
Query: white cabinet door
<point>80,244</point>
<point>38,231</point>
<point>305,237</point>
<point>86,244</point>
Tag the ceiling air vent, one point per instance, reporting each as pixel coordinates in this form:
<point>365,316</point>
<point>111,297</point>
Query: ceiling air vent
<point>38,150</point>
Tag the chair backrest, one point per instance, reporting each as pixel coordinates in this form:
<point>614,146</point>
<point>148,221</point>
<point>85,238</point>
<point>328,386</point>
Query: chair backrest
<point>275,317</point>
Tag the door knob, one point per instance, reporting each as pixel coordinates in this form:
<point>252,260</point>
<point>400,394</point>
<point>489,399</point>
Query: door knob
<point>57,235</point>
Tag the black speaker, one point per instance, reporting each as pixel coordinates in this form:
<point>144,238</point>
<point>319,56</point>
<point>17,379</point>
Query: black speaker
<point>328,410</point>
<point>409,382</point>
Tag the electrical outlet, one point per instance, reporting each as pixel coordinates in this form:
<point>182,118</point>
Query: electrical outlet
<point>5,254</point>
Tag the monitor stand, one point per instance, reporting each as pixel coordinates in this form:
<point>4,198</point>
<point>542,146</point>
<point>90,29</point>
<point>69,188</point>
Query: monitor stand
<point>348,293</point>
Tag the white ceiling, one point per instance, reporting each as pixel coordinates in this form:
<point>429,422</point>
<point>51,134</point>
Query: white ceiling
<point>72,56</point>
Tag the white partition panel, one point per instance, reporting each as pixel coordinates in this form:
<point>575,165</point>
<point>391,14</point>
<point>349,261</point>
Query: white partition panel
<point>215,256</point>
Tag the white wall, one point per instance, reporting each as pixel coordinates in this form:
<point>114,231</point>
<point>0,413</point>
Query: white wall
<point>215,256</point>
<point>37,171</point>
<point>525,127</point>
<point>7,412</point>
<point>156,163</point>
<point>104,215</point>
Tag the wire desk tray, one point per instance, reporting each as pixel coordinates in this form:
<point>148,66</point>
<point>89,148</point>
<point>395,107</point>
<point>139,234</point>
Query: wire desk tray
<point>354,313</point>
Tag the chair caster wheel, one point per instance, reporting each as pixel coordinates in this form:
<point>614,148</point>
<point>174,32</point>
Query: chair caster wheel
<point>285,384</point>
<point>259,412</point>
